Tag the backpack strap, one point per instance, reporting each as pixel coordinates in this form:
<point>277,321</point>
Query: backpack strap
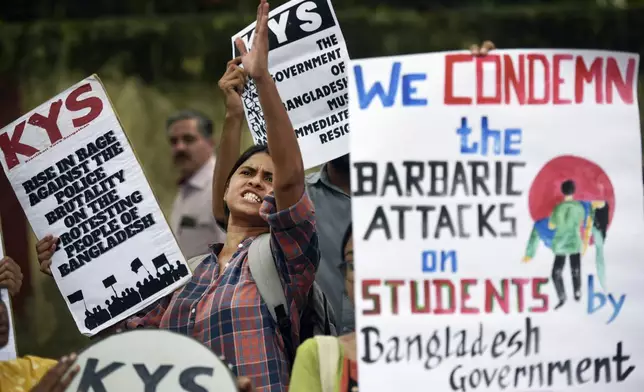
<point>264,272</point>
<point>194,262</point>
<point>328,356</point>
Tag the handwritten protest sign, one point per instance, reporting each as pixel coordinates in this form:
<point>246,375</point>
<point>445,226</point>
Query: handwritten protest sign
<point>77,178</point>
<point>151,360</point>
<point>498,231</point>
<point>8,350</point>
<point>307,61</point>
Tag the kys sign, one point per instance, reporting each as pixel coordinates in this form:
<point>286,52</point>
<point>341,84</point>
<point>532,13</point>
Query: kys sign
<point>151,360</point>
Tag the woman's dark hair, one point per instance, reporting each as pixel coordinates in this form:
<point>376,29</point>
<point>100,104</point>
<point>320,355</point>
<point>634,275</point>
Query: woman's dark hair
<point>250,151</point>
<point>345,240</point>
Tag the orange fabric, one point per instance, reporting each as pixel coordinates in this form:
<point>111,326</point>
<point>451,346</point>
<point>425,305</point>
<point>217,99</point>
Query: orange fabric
<point>349,372</point>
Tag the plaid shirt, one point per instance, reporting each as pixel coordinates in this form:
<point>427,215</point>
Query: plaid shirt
<point>224,310</point>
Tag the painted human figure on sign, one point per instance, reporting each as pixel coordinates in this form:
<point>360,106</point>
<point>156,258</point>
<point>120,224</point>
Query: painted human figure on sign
<point>571,221</point>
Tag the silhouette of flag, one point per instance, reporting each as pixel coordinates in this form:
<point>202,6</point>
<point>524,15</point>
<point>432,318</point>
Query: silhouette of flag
<point>75,297</point>
<point>109,281</point>
<point>160,260</point>
<point>136,265</point>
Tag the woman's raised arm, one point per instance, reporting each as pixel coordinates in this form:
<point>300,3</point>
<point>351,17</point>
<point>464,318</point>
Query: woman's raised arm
<point>288,176</point>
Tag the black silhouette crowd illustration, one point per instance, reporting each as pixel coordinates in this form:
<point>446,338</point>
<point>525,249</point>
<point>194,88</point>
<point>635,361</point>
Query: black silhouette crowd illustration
<point>166,275</point>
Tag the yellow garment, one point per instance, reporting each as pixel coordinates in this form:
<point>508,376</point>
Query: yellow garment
<point>22,374</point>
<point>306,369</point>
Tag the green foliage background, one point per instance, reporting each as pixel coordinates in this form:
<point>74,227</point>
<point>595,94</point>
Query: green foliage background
<point>153,62</point>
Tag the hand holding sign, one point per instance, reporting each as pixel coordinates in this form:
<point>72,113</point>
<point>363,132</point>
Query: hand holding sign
<point>255,61</point>
<point>232,84</point>
<point>482,50</point>
<point>10,275</point>
<point>245,385</point>
<point>45,249</point>
<point>58,378</point>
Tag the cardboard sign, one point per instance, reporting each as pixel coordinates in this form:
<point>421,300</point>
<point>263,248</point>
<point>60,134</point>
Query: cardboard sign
<point>151,360</point>
<point>307,61</point>
<point>498,231</point>
<point>8,352</point>
<point>77,178</point>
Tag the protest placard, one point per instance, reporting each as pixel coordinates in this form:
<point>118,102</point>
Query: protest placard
<point>151,360</point>
<point>497,231</point>
<point>8,350</point>
<point>77,178</point>
<point>307,61</point>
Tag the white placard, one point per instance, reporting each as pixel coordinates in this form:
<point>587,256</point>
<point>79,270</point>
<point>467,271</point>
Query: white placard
<point>307,61</point>
<point>506,176</point>
<point>151,360</point>
<point>77,178</point>
<point>8,352</point>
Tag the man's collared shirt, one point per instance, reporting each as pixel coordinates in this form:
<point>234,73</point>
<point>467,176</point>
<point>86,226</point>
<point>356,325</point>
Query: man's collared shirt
<point>224,310</point>
<point>333,211</point>
<point>192,220</point>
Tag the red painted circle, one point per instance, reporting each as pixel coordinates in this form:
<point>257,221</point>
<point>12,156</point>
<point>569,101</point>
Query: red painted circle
<point>591,183</point>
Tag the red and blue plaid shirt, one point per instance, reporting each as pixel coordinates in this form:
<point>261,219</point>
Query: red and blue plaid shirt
<point>224,310</point>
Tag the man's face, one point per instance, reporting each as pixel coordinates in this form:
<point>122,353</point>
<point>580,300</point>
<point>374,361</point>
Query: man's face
<point>4,325</point>
<point>190,149</point>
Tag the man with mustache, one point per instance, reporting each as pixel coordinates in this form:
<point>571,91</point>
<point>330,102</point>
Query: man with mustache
<point>190,136</point>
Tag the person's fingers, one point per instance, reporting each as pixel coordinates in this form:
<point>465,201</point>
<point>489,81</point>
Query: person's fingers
<point>6,276</point>
<point>240,78</point>
<point>238,86</point>
<point>47,253</point>
<point>13,286</point>
<point>475,50</point>
<point>228,85</point>
<point>487,47</point>
<point>64,383</point>
<point>233,85</point>
<point>13,266</point>
<point>258,19</point>
<point>67,376</point>
<point>232,73</point>
<point>45,243</point>
<point>239,72</point>
<point>45,267</point>
<point>234,62</point>
<point>52,376</point>
<point>265,9</point>
<point>45,257</point>
<point>225,79</point>
<point>244,384</point>
<point>241,87</point>
<point>241,46</point>
<point>260,27</point>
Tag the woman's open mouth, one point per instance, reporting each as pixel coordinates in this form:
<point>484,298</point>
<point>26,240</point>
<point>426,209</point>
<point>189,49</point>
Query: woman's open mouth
<point>251,197</point>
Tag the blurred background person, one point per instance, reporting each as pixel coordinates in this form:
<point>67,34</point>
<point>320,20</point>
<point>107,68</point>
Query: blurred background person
<point>190,136</point>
